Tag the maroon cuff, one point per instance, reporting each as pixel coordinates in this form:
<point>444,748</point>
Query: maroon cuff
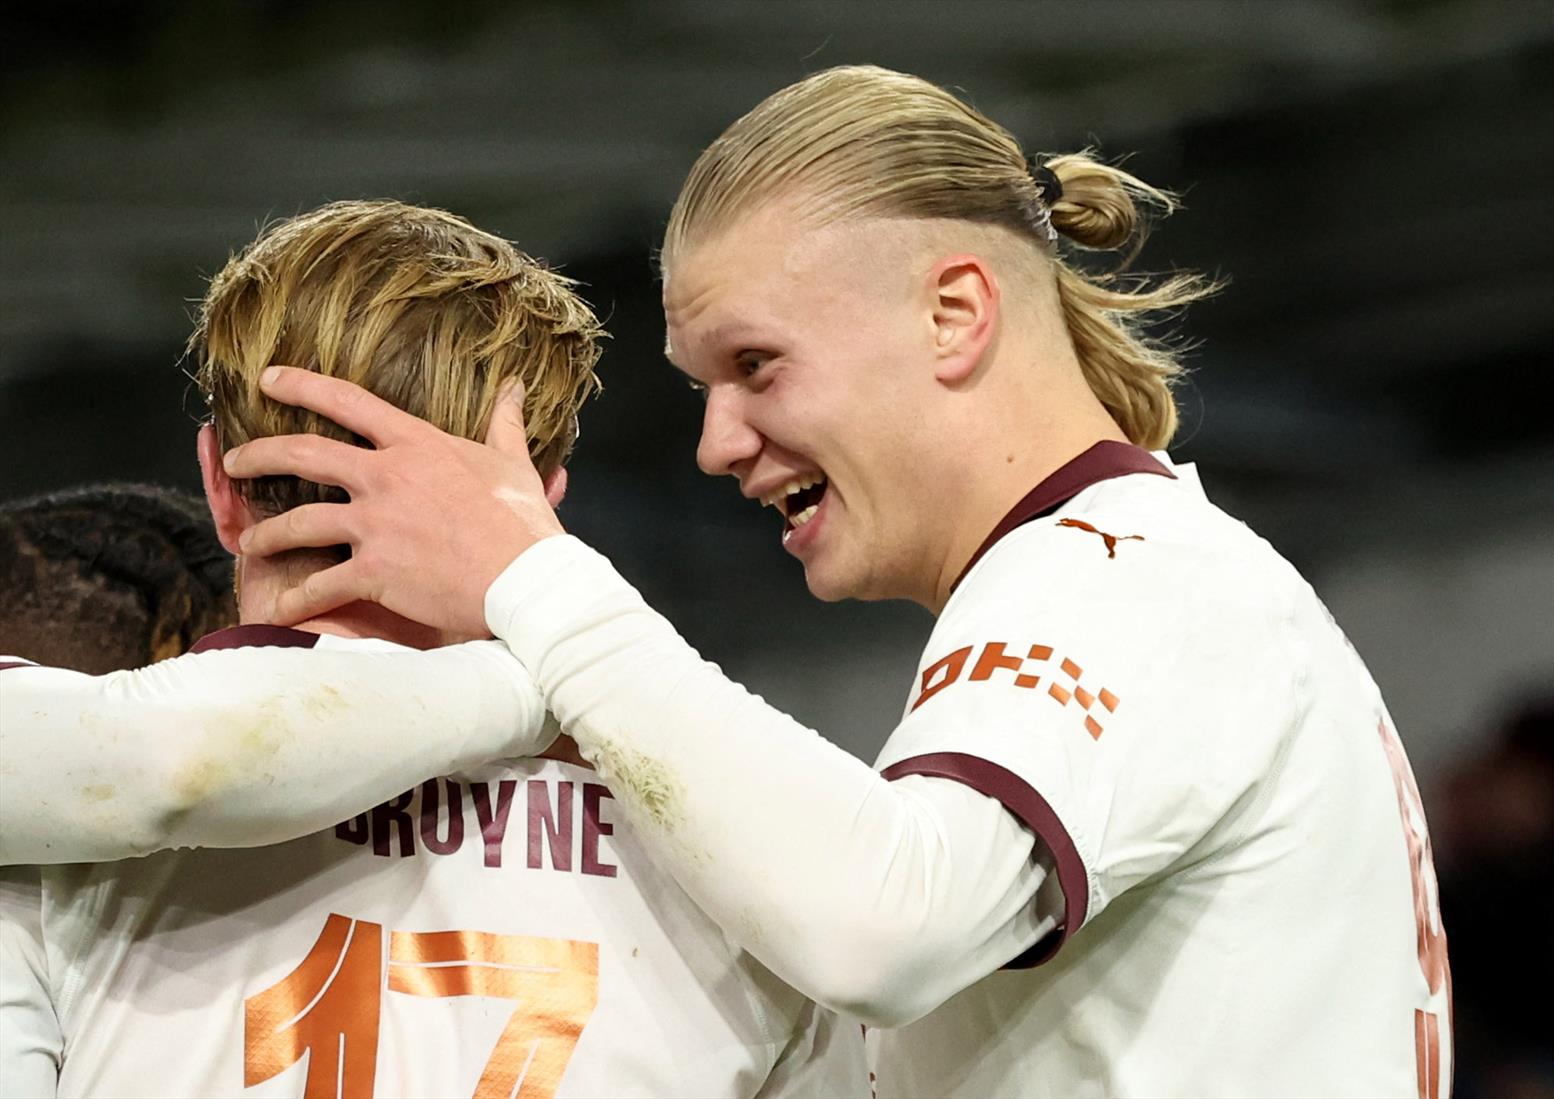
<point>1032,810</point>
<point>4,664</point>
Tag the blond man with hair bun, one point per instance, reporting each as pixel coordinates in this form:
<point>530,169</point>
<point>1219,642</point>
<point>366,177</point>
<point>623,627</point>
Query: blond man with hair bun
<point>1145,826</point>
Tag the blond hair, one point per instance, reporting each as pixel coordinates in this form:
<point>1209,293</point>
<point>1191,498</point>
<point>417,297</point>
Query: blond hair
<point>415,305</point>
<point>861,141</point>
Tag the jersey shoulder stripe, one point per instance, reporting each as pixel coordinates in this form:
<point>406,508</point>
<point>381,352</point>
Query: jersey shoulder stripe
<point>1032,810</point>
<point>255,636</point>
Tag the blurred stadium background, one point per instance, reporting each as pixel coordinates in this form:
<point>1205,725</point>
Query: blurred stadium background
<point>1371,393</point>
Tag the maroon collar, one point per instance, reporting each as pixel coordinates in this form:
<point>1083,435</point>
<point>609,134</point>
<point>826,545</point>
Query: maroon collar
<point>1103,461</point>
<point>251,637</point>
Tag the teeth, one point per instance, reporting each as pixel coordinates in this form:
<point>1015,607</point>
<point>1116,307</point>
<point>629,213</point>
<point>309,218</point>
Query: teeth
<point>804,516</point>
<point>774,498</point>
<point>777,496</point>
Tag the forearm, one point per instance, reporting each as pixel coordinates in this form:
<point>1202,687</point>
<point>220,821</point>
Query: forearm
<point>876,898</point>
<point>241,747</point>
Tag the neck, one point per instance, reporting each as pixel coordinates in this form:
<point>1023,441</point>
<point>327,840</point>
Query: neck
<point>1031,426</point>
<point>260,581</point>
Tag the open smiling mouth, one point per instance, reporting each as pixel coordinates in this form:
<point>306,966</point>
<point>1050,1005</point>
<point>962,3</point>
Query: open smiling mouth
<point>798,500</point>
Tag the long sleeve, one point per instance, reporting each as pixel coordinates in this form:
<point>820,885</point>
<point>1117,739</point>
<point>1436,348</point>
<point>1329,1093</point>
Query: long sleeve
<point>877,898</point>
<point>242,747</point>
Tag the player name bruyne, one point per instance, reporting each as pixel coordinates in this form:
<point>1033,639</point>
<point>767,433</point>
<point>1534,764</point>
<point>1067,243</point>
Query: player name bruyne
<point>563,824</point>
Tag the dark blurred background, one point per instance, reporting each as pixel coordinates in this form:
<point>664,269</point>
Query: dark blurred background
<point>1371,392</point>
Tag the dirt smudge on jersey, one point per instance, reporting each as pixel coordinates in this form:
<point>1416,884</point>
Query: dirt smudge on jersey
<point>243,743</point>
<point>751,931</point>
<point>196,781</point>
<point>649,782</point>
<point>97,793</point>
<point>324,702</point>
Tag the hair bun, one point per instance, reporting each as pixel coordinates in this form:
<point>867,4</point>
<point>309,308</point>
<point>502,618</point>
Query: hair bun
<point>1100,205</point>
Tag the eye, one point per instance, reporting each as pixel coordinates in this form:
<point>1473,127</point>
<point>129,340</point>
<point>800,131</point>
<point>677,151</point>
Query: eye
<point>749,363</point>
<point>698,388</point>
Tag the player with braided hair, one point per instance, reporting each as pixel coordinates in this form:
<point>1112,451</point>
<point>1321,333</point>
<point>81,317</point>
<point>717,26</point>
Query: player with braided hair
<point>97,579</point>
<point>110,576</point>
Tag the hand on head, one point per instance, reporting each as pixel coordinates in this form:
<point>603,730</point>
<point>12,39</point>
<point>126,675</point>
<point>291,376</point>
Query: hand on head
<point>432,519</point>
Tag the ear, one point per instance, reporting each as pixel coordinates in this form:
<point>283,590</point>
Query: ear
<point>556,487</point>
<point>227,507</point>
<point>965,305</point>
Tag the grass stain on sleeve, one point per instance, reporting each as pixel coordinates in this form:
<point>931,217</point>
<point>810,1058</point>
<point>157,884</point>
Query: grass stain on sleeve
<point>647,781</point>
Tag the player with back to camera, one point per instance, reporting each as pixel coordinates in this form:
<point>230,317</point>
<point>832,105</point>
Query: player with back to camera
<point>98,578</point>
<point>1145,827</point>
<point>492,931</point>
<point>110,578</point>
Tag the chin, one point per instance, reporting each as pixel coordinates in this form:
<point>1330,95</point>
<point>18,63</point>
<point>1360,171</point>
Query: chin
<point>829,588</point>
<point>831,595</point>
<point>833,586</point>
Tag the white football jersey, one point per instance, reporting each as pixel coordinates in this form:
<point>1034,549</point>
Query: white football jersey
<point>29,1032</point>
<point>495,932</point>
<point>1248,901</point>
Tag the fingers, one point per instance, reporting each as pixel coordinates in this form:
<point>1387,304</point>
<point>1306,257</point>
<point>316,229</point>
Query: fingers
<point>346,403</point>
<point>319,593</point>
<point>308,527</point>
<point>507,432</point>
<point>312,457</point>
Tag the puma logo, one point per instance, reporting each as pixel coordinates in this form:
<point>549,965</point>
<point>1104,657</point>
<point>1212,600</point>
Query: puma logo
<point>1111,540</point>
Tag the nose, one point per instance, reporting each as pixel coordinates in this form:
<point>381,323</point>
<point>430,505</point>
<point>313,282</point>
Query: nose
<point>727,439</point>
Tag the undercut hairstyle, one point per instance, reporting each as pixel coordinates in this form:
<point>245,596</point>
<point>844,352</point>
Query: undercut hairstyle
<point>108,577</point>
<point>413,304</point>
<point>857,142</point>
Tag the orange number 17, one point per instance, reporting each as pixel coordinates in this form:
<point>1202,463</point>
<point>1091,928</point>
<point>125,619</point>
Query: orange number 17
<point>329,1006</point>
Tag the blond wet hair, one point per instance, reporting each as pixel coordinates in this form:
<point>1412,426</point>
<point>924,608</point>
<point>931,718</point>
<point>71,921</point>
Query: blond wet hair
<point>861,141</point>
<point>414,304</point>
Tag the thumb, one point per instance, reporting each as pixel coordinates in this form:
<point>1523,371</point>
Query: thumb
<point>506,431</point>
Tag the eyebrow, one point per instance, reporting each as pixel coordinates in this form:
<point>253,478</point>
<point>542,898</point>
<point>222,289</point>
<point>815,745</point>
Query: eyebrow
<point>739,332</point>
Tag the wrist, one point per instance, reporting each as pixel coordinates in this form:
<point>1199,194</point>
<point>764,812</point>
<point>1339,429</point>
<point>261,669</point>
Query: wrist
<point>532,568</point>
